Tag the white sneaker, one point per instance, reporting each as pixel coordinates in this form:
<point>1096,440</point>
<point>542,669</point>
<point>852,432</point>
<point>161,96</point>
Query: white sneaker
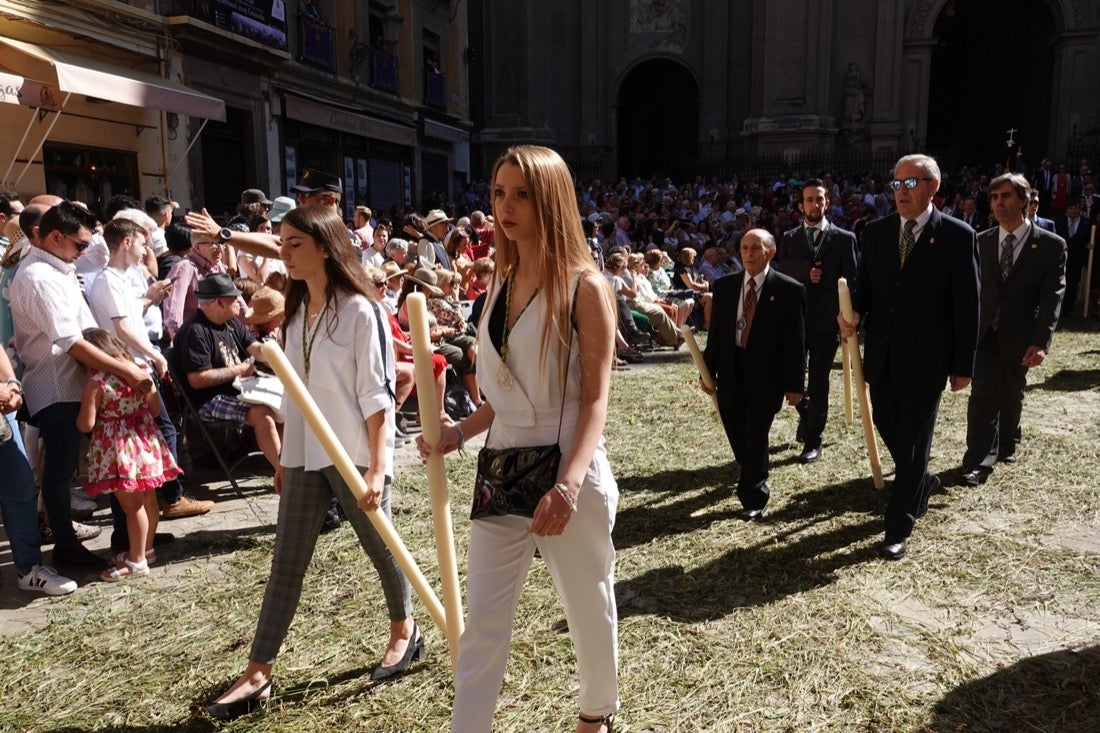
<point>46,579</point>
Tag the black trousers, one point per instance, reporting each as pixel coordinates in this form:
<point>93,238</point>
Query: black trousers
<point>821,348</point>
<point>747,429</point>
<point>993,410</point>
<point>905,417</point>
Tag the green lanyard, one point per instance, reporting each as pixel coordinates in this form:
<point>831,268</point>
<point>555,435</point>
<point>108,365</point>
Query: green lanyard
<point>307,346</point>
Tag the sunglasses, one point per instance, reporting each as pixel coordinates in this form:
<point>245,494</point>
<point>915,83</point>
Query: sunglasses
<point>909,183</point>
<point>81,245</point>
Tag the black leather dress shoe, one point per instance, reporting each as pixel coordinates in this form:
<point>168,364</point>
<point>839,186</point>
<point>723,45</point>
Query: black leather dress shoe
<point>752,515</point>
<point>809,455</point>
<point>1009,458</point>
<point>972,477</point>
<point>892,550</point>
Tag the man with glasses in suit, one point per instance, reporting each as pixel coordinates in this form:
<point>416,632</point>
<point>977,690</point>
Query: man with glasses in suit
<point>917,299</point>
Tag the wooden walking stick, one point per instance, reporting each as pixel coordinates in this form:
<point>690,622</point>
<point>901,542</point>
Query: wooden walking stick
<point>700,364</point>
<point>427,398</point>
<point>297,391</point>
<point>1088,271</point>
<point>852,344</point>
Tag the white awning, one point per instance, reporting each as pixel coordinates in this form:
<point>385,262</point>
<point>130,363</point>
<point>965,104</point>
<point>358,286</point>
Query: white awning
<point>15,89</point>
<point>80,75</point>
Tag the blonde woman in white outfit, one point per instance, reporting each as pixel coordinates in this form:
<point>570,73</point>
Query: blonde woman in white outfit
<point>546,348</point>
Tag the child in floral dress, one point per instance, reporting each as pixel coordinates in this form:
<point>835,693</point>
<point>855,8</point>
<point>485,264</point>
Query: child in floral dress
<point>128,455</point>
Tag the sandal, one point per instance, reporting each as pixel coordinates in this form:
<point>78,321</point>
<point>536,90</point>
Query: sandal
<point>114,574</point>
<point>150,557</point>
<point>608,720</point>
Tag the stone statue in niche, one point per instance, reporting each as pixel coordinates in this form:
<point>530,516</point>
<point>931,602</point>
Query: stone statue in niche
<point>856,93</point>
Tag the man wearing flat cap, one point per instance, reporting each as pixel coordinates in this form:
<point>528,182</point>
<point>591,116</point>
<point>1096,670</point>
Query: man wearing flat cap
<point>212,349</point>
<point>430,251</point>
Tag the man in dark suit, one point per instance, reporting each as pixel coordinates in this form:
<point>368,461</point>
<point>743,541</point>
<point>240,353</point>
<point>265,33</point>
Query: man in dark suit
<point>1076,230</point>
<point>756,354</point>
<point>968,212</point>
<point>1033,213</point>
<point>918,301</point>
<point>1043,182</point>
<point>1023,279</point>
<point>816,255</point>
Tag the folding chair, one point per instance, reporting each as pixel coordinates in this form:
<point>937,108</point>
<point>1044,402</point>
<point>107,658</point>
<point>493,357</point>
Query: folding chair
<point>190,415</point>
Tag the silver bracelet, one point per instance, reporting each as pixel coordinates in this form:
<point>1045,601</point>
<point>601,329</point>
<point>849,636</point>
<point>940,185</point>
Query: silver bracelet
<point>566,494</point>
<point>461,439</point>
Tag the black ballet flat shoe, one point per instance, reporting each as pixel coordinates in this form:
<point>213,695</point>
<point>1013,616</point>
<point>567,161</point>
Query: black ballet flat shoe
<point>237,708</point>
<point>608,720</point>
<point>414,650</point>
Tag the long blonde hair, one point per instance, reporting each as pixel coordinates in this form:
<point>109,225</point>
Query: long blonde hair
<point>562,253</point>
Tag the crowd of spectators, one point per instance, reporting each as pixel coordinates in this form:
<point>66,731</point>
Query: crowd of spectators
<point>661,245</point>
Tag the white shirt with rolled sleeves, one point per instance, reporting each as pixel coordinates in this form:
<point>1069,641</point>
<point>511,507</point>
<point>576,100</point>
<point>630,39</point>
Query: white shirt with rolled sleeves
<point>347,379</point>
<point>49,315</point>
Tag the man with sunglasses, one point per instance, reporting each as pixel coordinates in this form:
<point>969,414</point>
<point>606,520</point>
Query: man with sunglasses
<point>917,298</point>
<point>49,314</point>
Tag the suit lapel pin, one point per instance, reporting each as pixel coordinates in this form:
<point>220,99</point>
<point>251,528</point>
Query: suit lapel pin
<point>772,298</point>
<point>932,240</point>
<point>1035,245</point>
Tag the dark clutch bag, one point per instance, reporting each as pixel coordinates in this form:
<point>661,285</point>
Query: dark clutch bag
<point>512,480</point>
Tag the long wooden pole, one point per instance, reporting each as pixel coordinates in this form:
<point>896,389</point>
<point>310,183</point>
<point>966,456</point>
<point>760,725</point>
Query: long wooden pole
<point>846,371</point>
<point>852,344</point>
<point>430,429</point>
<point>700,364</point>
<point>1088,271</point>
<point>277,360</point>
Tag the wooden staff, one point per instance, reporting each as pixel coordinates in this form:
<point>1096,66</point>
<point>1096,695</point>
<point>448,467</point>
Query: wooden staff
<point>846,371</point>
<point>852,344</point>
<point>417,308</point>
<point>277,360</point>
<point>700,364</point>
<point>1088,271</point>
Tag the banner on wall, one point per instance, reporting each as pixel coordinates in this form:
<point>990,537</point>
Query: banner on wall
<point>263,21</point>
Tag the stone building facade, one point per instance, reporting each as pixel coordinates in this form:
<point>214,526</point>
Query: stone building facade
<point>634,87</point>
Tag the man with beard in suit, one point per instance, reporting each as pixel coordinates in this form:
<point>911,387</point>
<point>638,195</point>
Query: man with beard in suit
<point>756,354</point>
<point>817,255</point>
<point>918,301</point>
<point>1023,279</point>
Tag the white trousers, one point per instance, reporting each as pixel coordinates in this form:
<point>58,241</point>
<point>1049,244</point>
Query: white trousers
<point>581,561</point>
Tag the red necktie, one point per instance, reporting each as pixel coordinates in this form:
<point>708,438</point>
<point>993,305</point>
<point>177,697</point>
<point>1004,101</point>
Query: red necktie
<point>748,311</point>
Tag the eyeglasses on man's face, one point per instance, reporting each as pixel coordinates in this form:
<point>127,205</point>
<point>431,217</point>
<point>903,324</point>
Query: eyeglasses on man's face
<point>81,244</point>
<point>909,183</point>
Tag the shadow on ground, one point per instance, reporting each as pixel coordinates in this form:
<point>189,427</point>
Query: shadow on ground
<point>1057,692</point>
<point>785,559</point>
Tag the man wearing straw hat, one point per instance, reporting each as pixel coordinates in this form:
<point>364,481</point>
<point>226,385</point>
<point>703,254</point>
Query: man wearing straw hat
<point>430,251</point>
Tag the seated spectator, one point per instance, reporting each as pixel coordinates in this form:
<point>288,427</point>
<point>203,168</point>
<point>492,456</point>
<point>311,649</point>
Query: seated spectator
<point>177,238</point>
<point>481,274</point>
<point>685,276</point>
<point>211,350</point>
<point>448,330</point>
<point>205,258</point>
<point>264,316</point>
<point>279,209</point>
<point>375,254</point>
<point>394,277</point>
<point>485,235</point>
<point>397,250</point>
<point>628,323</point>
<point>644,294</point>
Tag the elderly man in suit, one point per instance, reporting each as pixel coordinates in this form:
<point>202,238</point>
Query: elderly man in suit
<point>1023,281</point>
<point>756,354</point>
<point>918,302</point>
<point>817,255</point>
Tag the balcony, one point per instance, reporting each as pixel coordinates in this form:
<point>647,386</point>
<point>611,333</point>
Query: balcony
<point>435,89</point>
<point>316,44</point>
<point>383,70</point>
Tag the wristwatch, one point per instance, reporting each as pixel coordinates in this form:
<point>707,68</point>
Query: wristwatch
<point>225,234</point>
